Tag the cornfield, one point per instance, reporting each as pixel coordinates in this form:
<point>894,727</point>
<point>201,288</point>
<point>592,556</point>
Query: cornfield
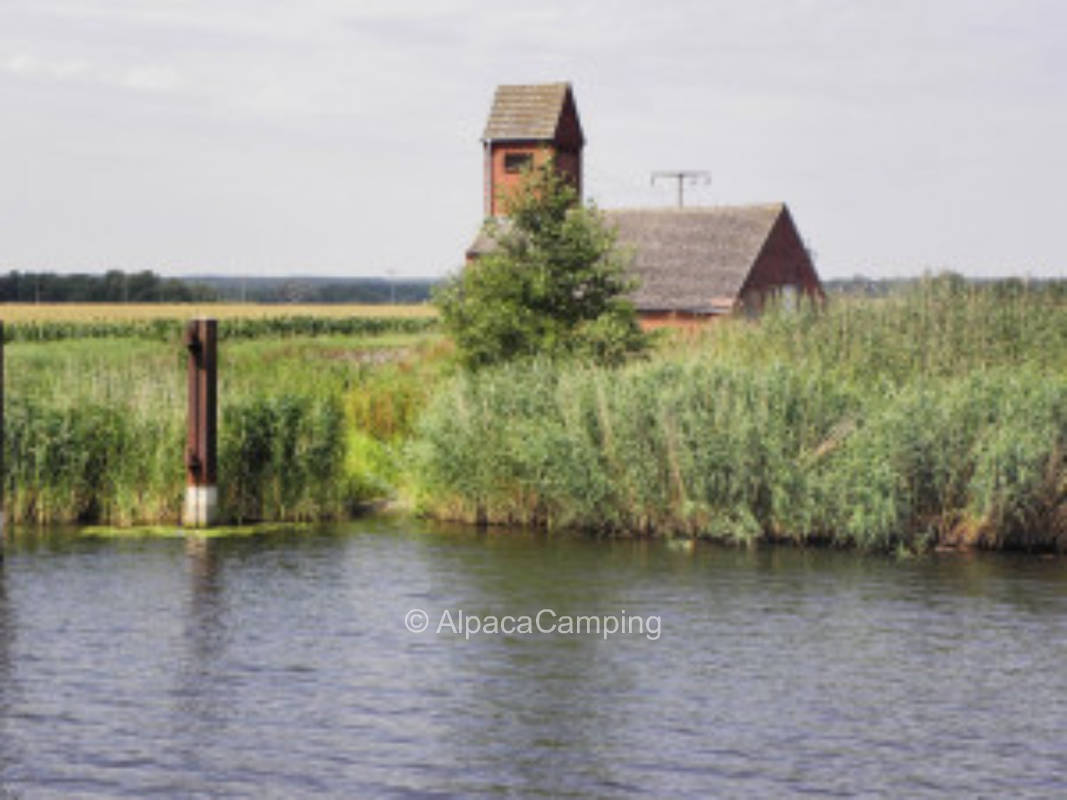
<point>163,329</point>
<point>133,312</point>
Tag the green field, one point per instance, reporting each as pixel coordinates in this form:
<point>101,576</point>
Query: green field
<point>235,322</point>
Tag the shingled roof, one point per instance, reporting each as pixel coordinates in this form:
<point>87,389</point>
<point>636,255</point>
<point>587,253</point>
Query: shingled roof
<point>693,259</point>
<point>527,112</point>
<point>686,259</point>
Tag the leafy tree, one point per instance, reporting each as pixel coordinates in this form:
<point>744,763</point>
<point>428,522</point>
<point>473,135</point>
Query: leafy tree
<point>553,284</point>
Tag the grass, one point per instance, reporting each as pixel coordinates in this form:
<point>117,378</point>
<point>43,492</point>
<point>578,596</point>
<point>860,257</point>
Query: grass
<point>935,418</point>
<point>175,532</point>
<point>95,429</point>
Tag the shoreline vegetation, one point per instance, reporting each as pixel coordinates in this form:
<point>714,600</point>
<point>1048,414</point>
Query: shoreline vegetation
<point>308,424</point>
<point>935,417</point>
<point>930,419</point>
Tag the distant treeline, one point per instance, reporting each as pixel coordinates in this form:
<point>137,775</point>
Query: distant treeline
<point>884,287</point>
<point>114,286</point>
<point>318,290</point>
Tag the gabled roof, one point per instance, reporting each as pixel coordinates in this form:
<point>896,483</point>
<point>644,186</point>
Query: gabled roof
<point>529,112</point>
<point>693,259</point>
<point>484,242</point>
<point>685,259</point>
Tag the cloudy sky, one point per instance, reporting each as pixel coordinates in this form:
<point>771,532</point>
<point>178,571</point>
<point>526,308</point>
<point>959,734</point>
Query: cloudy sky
<point>341,136</point>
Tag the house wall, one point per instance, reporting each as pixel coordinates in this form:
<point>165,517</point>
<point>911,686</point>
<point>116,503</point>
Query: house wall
<point>783,261</point>
<point>499,183</point>
<point>569,163</point>
<point>683,320</point>
<point>569,134</point>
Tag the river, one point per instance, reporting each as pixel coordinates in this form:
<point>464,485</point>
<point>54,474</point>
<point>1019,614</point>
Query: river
<point>281,665</point>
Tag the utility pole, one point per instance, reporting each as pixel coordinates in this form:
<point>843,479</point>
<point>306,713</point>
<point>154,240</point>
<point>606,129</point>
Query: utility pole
<point>694,176</point>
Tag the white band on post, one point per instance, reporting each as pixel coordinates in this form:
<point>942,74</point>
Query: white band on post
<point>201,506</point>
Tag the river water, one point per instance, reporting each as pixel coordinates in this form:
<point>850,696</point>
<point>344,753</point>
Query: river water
<point>280,666</point>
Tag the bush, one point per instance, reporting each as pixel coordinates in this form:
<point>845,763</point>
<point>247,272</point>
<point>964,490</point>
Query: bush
<point>553,284</point>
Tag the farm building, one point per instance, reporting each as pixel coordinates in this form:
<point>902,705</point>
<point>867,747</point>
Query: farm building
<point>692,263</point>
<point>695,263</point>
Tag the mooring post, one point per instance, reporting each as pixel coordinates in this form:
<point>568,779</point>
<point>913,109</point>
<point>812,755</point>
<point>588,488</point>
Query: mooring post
<point>201,485</point>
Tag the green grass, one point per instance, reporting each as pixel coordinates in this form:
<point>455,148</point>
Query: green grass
<point>939,417</point>
<point>95,429</point>
<point>176,532</point>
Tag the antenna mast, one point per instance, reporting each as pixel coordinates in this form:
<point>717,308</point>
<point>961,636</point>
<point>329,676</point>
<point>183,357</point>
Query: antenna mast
<point>694,176</point>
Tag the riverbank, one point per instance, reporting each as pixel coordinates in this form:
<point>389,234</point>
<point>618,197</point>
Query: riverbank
<point>938,418</point>
<point>308,428</point>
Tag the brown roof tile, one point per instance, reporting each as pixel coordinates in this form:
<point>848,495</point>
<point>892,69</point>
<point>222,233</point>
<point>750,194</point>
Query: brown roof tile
<point>692,259</point>
<point>686,259</point>
<point>526,112</point>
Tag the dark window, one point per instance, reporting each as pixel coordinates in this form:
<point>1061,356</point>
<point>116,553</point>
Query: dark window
<point>517,162</point>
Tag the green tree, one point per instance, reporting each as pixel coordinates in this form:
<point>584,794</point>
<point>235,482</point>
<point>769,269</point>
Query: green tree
<point>554,283</point>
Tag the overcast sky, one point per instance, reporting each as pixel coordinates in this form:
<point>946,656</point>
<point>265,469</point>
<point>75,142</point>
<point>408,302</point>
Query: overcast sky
<point>342,136</point>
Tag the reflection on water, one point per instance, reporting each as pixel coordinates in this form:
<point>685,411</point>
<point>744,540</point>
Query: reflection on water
<point>199,698</point>
<point>7,685</point>
<point>279,665</point>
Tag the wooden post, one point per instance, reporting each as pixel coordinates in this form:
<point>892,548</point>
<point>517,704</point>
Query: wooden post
<point>201,489</point>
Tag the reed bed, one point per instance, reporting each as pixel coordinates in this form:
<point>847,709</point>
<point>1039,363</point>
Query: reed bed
<point>937,417</point>
<point>934,418</point>
<point>95,429</point>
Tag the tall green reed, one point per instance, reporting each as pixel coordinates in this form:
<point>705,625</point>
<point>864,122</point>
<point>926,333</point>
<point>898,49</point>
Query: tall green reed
<point>95,431</point>
<point>934,417</point>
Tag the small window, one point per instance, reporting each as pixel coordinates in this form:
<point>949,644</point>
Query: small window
<point>517,162</point>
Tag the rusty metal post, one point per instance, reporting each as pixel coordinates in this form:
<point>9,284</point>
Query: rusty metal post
<point>201,485</point>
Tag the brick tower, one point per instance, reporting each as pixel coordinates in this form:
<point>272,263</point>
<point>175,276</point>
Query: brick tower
<point>527,125</point>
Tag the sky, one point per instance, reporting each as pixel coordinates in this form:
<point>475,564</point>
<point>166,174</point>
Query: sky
<point>341,137</point>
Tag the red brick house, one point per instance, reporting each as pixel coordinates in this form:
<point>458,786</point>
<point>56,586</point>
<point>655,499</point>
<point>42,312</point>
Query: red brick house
<point>693,264</point>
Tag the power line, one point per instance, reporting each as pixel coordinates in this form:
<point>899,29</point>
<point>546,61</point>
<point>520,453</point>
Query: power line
<point>694,176</point>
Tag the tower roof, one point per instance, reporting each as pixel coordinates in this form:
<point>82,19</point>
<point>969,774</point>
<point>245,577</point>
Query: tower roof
<point>530,112</point>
